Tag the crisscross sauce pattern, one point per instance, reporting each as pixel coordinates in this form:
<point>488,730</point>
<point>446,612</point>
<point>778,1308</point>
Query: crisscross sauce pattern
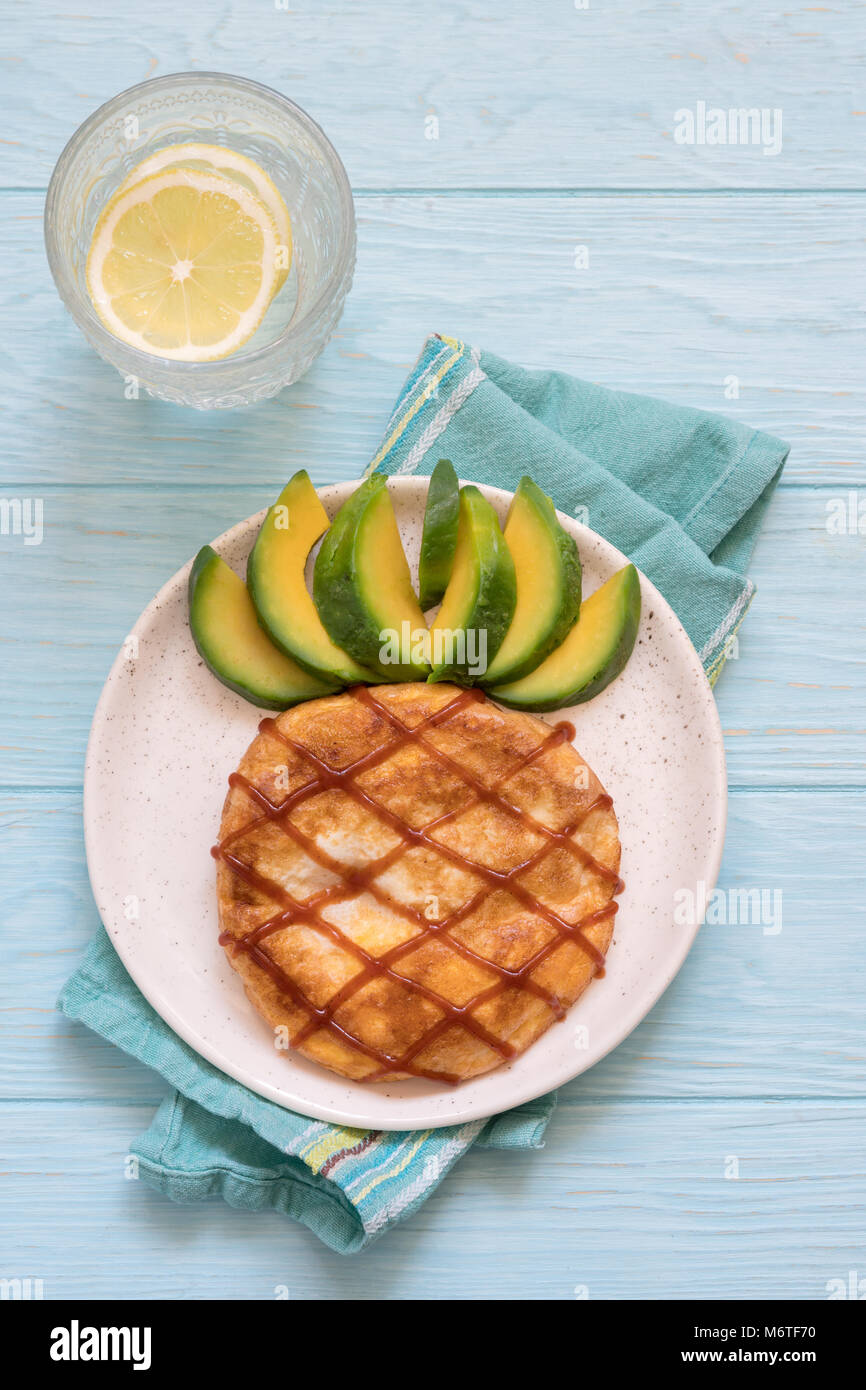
<point>403,966</point>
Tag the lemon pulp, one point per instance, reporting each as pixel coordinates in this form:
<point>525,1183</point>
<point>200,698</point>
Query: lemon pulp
<point>184,264</point>
<point>219,159</point>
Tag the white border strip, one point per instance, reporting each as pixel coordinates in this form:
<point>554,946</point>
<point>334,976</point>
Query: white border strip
<point>440,422</point>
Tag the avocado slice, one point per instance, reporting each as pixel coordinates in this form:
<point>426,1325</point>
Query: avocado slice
<point>230,641</point>
<point>592,655</point>
<point>439,537</point>
<point>275,577</point>
<point>363,589</point>
<point>479,602</point>
<point>548,572</point>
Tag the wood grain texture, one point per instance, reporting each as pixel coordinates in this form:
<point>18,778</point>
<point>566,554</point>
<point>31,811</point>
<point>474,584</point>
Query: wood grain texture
<point>680,296</point>
<point>796,719</point>
<point>525,95</point>
<point>755,1012</point>
<point>555,131</point>
<point>625,1200</point>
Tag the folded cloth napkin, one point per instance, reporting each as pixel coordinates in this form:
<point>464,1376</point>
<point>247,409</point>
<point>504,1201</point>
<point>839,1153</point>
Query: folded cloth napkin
<point>682,493</point>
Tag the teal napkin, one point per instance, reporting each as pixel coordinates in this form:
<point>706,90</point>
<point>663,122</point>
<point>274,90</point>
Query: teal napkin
<point>680,491</point>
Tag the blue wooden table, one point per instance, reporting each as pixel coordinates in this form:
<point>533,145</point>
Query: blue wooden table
<point>523,180</point>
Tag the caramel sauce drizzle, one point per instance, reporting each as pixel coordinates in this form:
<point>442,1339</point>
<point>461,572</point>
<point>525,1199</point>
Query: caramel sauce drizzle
<point>353,881</point>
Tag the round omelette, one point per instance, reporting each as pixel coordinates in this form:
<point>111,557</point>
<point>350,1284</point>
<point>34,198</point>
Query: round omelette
<point>413,881</point>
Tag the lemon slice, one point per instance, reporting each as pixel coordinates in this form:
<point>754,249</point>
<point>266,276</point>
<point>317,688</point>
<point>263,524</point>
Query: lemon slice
<point>183,265</point>
<point>215,159</point>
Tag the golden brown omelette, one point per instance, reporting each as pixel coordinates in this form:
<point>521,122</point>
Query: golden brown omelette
<point>413,881</point>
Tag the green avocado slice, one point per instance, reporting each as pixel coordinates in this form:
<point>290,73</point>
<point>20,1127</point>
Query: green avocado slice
<point>479,602</point>
<point>275,577</point>
<point>439,537</point>
<point>593,654</point>
<point>363,589</point>
<point>548,572</point>
<point>231,642</point>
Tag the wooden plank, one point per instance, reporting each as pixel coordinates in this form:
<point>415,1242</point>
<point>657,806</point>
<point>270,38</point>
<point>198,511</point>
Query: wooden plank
<point>630,1196</point>
<point>681,296</point>
<point>565,97</point>
<point>756,1011</point>
<point>624,1201</point>
<point>49,917</point>
<point>791,702</point>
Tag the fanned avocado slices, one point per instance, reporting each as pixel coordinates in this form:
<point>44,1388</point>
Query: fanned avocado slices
<point>510,615</point>
<point>275,577</point>
<point>439,537</point>
<point>231,642</point>
<point>593,654</point>
<point>548,572</point>
<point>479,602</point>
<point>363,589</point>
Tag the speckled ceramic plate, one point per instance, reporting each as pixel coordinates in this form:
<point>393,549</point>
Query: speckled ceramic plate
<point>166,735</point>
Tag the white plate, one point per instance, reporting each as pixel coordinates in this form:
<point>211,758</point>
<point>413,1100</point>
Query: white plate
<point>166,735</point>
